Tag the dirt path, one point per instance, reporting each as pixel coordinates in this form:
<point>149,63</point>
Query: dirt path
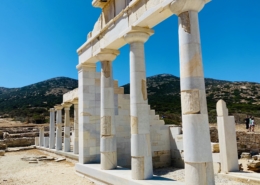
<point>14,171</point>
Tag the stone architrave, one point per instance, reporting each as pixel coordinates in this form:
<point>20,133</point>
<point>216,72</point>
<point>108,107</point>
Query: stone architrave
<point>108,147</point>
<point>142,167</point>
<point>52,129</point>
<point>89,135</point>
<point>67,127</point>
<point>58,109</point>
<point>41,136</point>
<point>76,128</point>
<point>227,139</point>
<point>196,136</point>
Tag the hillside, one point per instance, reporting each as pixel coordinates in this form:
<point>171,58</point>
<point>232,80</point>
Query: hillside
<point>32,102</point>
<point>164,96</point>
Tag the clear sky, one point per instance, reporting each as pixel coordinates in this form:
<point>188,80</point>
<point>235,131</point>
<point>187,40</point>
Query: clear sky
<point>39,39</point>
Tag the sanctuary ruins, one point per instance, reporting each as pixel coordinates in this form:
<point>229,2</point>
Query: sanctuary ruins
<point>117,138</point>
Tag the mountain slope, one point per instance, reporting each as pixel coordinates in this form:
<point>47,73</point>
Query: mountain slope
<point>164,96</point>
<point>31,103</point>
<point>35,100</point>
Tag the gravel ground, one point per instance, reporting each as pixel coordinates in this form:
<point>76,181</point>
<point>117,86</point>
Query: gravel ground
<point>14,171</point>
<point>178,174</point>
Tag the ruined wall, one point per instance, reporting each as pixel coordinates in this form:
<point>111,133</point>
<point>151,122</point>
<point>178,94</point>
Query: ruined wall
<point>246,141</point>
<point>18,142</point>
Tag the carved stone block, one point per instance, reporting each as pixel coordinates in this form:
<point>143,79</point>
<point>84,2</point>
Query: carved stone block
<point>106,126</point>
<point>190,101</point>
<point>137,167</point>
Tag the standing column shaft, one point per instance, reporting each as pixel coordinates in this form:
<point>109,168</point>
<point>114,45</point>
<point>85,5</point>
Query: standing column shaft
<point>58,127</point>
<point>52,129</point>
<point>76,129</point>
<point>142,167</point>
<point>108,145</point>
<point>41,134</point>
<point>198,164</point>
<point>67,128</point>
<point>89,133</point>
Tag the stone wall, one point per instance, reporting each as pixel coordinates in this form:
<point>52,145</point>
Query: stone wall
<point>246,141</point>
<point>18,142</point>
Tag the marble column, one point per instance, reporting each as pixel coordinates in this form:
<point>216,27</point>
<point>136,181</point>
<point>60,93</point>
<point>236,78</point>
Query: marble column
<point>58,109</point>
<point>52,129</point>
<point>142,167</point>
<point>76,128</point>
<point>227,139</point>
<point>41,136</point>
<point>67,127</point>
<point>46,142</point>
<point>196,137</point>
<point>108,147</point>
<point>37,143</point>
<point>89,135</point>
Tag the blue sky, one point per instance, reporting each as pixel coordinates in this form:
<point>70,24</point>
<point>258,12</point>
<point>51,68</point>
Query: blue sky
<point>39,39</point>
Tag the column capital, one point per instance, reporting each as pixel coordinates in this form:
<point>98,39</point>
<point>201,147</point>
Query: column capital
<point>138,34</point>
<point>106,54</point>
<point>58,107</point>
<point>66,105</point>
<point>86,66</point>
<point>179,6</point>
<point>52,110</point>
<point>75,101</point>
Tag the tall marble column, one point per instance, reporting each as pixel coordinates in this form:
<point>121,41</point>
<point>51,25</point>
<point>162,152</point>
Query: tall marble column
<point>89,136</point>
<point>108,147</point>
<point>142,167</point>
<point>41,136</point>
<point>58,108</point>
<point>52,129</point>
<point>67,127</point>
<point>76,128</point>
<point>196,137</point>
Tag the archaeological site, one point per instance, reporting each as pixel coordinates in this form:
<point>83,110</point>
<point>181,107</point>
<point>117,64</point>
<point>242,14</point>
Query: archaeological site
<point>116,137</point>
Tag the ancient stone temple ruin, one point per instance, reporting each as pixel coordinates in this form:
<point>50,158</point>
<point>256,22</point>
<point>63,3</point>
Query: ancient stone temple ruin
<point>117,138</point>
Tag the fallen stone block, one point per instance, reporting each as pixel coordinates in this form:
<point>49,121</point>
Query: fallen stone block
<point>60,159</point>
<point>254,165</point>
<point>256,157</point>
<point>245,155</point>
<point>2,152</point>
<point>33,162</point>
<point>3,146</point>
